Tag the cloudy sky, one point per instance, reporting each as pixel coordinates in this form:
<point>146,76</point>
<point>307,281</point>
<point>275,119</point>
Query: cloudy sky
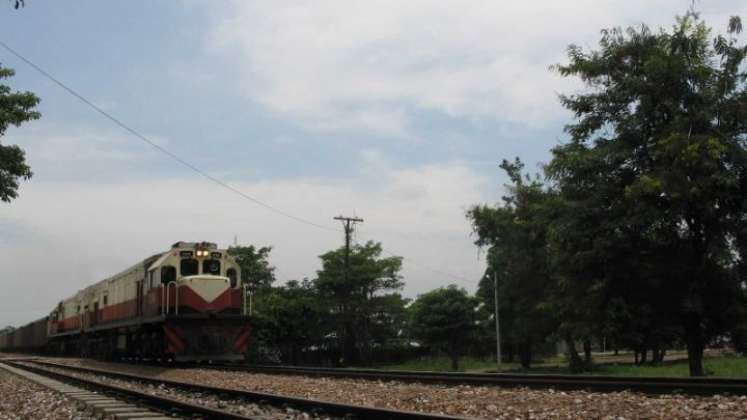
<point>395,111</point>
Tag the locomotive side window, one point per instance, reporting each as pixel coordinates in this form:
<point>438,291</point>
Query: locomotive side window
<point>231,274</point>
<point>168,273</point>
<point>189,267</point>
<point>211,267</point>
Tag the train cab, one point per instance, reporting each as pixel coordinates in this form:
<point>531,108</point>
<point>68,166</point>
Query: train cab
<point>195,278</point>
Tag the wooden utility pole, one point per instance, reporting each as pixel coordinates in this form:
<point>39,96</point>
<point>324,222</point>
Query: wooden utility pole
<point>348,223</point>
<point>348,343</point>
<point>497,326</point>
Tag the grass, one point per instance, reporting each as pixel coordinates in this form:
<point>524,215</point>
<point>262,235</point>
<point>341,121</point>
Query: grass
<point>722,366</point>
<point>443,364</point>
<point>729,366</point>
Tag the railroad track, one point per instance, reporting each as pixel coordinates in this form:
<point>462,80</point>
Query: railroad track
<point>317,408</point>
<point>649,385</point>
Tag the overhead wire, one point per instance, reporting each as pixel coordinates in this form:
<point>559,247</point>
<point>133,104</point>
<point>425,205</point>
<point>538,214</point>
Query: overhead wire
<point>193,167</point>
<point>160,148</point>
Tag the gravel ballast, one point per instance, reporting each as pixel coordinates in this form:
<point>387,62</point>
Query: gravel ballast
<point>21,399</point>
<point>221,402</point>
<point>461,400</point>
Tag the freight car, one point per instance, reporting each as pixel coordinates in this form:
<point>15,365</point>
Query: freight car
<point>184,304</point>
<point>30,338</point>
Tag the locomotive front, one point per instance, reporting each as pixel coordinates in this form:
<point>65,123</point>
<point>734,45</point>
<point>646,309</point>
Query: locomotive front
<point>196,289</point>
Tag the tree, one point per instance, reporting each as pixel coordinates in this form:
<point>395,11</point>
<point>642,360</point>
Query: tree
<point>289,319</point>
<point>356,302</point>
<point>15,109</point>
<point>654,178</point>
<point>256,270</point>
<point>445,319</point>
<point>516,234</point>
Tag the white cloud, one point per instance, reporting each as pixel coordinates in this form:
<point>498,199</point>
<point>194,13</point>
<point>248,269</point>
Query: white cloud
<point>345,65</point>
<point>75,149</point>
<point>74,234</point>
<point>81,151</point>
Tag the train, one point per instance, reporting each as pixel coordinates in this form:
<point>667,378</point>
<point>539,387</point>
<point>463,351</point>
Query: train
<point>185,304</point>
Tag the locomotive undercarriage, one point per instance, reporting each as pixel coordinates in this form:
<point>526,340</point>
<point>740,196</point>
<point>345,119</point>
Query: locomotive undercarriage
<point>193,337</point>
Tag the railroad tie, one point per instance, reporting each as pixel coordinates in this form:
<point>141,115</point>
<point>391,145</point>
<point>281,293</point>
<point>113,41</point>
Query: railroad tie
<point>101,406</point>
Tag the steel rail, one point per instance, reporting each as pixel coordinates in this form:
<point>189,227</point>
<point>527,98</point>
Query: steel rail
<point>652,385</point>
<point>164,404</point>
<point>309,405</point>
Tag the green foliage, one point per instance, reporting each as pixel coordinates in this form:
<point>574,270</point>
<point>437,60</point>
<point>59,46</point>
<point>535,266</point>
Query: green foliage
<point>640,232</point>
<point>15,109</point>
<point>653,181</point>
<point>516,234</point>
<point>360,297</point>
<point>288,321</point>
<point>444,318</point>
<point>256,270</point>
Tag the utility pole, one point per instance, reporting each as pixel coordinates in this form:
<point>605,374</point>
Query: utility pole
<point>348,223</point>
<point>497,326</point>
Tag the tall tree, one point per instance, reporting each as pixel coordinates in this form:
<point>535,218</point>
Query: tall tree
<point>355,302</point>
<point>657,161</point>
<point>516,234</point>
<point>444,319</point>
<point>15,109</point>
<point>256,270</point>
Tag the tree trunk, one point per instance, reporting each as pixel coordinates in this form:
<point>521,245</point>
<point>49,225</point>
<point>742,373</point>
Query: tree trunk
<point>525,353</point>
<point>509,354</point>
<point>575,364</point>
<point>587,353</point>
<point>349,348</point>
<point>454,361</point>
<point>454,350</point>
<point>693,331</point>
<point>657,355</point>
<point>644,355</point>
<point>654,354</point>
<point>695,346</point>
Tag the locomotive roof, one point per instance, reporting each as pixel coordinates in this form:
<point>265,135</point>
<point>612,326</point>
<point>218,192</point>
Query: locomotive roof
<point>146,264</point>
<point>142,264</point>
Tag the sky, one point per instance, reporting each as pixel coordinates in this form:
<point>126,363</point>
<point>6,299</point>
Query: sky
<point>395,112</point>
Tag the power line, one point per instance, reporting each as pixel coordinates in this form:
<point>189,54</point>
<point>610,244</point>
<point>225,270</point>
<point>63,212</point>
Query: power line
<point>426,268</point>
<point>197,170</point>
<point>162,149</point>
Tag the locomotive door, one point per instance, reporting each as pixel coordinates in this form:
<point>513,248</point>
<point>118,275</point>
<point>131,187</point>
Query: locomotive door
<point>95,314</point>
<point>139,287</point>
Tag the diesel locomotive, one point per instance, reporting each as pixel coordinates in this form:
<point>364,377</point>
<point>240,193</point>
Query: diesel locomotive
<point>185,304</point>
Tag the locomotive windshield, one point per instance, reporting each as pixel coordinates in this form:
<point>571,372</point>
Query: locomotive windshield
<point>211,267</point>
<point>168,274</point>
<point>189,267</point>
